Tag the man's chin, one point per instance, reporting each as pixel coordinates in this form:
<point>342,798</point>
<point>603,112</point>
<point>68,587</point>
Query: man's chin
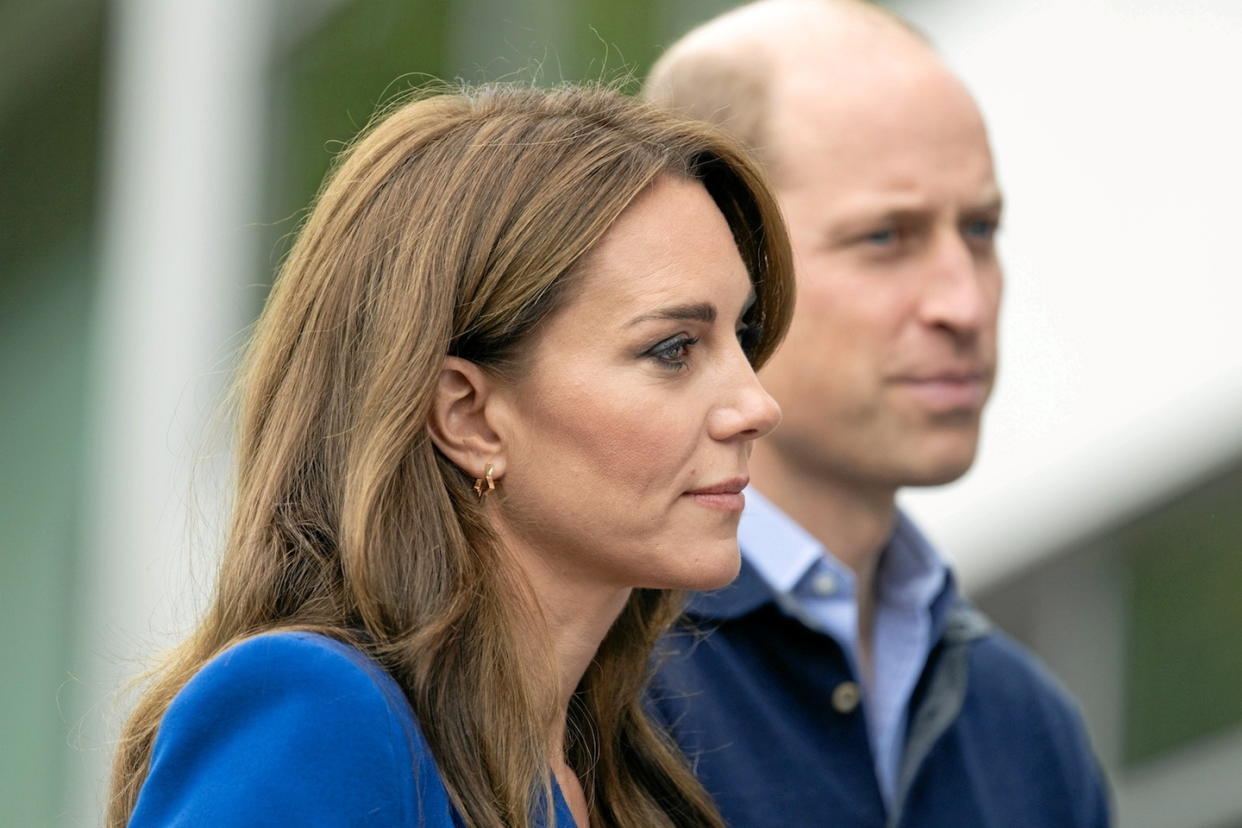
<point>938,471</point>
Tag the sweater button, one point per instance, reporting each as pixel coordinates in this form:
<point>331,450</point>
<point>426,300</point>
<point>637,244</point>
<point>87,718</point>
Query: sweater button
<point>845,697</point>
<point>824,584</point>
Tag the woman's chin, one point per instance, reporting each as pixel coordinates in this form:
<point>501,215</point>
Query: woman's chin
<point>714,571</point>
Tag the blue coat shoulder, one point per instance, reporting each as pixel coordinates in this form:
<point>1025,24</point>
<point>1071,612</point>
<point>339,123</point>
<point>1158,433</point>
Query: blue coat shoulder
<point>292,729</point>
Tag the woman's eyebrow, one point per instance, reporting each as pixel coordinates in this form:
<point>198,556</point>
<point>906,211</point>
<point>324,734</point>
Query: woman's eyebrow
<point>697,312</point>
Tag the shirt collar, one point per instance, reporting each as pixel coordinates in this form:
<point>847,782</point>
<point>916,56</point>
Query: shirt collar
<point>912,574</point>
<point>777,554</point>
<point>781,551</point>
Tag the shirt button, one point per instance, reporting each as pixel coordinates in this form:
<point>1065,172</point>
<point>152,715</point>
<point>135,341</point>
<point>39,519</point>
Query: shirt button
<point>825,583</point>
<point>845,697</point>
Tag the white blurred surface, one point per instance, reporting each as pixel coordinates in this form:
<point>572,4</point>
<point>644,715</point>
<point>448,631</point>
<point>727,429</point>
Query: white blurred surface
<point>185,86</point>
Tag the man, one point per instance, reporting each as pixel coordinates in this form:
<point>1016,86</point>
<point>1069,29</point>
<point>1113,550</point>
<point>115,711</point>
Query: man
<point>845,682</point>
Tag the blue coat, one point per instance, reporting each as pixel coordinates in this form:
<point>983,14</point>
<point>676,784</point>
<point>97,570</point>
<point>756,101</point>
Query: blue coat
<point>292,729</point>
<point>765,707</point>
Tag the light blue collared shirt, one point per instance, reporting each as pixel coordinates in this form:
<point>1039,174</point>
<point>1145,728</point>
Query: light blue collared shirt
<point>819,590</point>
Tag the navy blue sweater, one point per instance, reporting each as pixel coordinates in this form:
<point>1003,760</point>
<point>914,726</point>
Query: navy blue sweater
<point>765,709</point>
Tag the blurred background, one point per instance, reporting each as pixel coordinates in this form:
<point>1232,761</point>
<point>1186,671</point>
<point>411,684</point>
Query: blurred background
<point>155,157</point>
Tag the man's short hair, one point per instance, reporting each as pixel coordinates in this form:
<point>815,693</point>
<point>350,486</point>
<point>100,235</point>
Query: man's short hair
<point>716,87</point>
<point>722,72</point>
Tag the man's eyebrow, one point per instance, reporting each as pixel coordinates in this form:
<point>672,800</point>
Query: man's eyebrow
<point>698,312</point>
<point>992,205</point>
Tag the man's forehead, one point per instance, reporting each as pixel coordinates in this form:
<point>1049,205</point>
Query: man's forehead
<point>876,184</point>
<point>875,74</point>
<point>893,113</point>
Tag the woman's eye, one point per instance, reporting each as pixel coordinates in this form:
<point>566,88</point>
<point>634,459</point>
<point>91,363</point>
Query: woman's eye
<point>672,352</point>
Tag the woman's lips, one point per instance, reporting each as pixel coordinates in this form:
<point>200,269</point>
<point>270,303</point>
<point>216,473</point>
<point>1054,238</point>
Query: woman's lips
<point>723,502</point>
<point>726,496</point>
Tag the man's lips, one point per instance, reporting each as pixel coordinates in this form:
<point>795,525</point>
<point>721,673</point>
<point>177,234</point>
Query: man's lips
<point>726,496</point>
<point>947,391</point>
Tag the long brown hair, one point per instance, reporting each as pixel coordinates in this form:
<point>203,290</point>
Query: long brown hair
<point>450,227</point>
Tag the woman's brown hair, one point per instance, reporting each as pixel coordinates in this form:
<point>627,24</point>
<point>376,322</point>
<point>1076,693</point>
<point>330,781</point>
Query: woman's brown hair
<point>450,227</point>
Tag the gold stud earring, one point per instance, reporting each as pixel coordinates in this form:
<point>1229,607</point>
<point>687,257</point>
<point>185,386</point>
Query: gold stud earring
<point>478,482</point>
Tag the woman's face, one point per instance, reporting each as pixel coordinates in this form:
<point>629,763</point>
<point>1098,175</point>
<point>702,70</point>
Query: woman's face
<point>627,436</point>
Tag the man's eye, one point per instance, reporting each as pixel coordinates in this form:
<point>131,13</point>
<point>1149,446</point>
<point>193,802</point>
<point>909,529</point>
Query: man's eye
<point>980,229</point>
<point>882,237</point>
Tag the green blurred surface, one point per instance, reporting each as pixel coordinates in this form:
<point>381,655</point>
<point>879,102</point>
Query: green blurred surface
<point>333,80</point>
<point>1183,616</point>
<point>368,54</point>
<point>49,149</point>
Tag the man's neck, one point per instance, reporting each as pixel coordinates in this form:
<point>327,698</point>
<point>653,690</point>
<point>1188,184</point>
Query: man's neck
<point>852,521</point>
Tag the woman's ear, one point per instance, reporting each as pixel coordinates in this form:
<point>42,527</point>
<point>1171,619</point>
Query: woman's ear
<point>459,423</point>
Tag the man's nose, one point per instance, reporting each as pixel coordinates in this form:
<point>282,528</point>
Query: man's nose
<point>958,294</point>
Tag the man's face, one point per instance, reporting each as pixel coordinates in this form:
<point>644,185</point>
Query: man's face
<point>892,207</point>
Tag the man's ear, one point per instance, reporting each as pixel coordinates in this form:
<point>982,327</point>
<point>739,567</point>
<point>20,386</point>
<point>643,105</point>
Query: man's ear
<point>459,424</point>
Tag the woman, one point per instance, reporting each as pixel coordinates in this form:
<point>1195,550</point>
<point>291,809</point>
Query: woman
<point>496,411</point>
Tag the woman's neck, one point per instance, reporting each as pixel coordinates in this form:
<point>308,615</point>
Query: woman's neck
<point>576,614</point>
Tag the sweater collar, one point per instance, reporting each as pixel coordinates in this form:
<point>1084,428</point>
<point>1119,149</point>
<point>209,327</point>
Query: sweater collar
<point>953,618</point>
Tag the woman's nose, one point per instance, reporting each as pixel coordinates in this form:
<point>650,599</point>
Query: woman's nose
<point>746,410</point>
